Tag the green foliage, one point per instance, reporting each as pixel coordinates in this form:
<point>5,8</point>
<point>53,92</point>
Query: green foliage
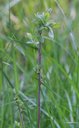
<point>19,39</point>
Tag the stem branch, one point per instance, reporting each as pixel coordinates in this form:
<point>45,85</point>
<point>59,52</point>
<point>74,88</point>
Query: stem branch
<point>39,80</point>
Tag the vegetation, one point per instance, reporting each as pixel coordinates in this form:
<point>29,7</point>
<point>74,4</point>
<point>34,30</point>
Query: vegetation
<point>39,64</point>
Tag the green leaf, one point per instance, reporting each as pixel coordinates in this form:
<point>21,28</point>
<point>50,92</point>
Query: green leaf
<point>29,35</point>
<point>56,25</point>
<point>32,42</point>
<point>51,33</point>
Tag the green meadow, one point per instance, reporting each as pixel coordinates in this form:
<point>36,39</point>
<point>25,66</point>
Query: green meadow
<point>39,64</point>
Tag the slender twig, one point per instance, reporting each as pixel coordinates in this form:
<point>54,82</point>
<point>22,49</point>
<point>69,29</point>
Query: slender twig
<point>1,76</point>
<point>39,79</point>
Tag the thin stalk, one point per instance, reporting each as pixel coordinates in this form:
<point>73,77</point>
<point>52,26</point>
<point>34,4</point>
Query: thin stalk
<point>39,80</point>
<point>1,76</point>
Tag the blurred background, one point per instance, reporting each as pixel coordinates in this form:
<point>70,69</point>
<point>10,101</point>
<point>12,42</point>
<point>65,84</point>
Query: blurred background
<point>60,65</point>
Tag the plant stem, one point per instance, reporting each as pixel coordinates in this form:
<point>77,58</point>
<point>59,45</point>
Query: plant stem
<point>39,80</point>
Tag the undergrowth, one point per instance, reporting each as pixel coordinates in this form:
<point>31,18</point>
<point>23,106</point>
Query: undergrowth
<point>39,64</point>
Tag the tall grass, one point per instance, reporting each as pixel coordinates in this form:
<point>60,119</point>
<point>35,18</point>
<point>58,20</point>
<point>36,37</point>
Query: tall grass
<point>59,94</point>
